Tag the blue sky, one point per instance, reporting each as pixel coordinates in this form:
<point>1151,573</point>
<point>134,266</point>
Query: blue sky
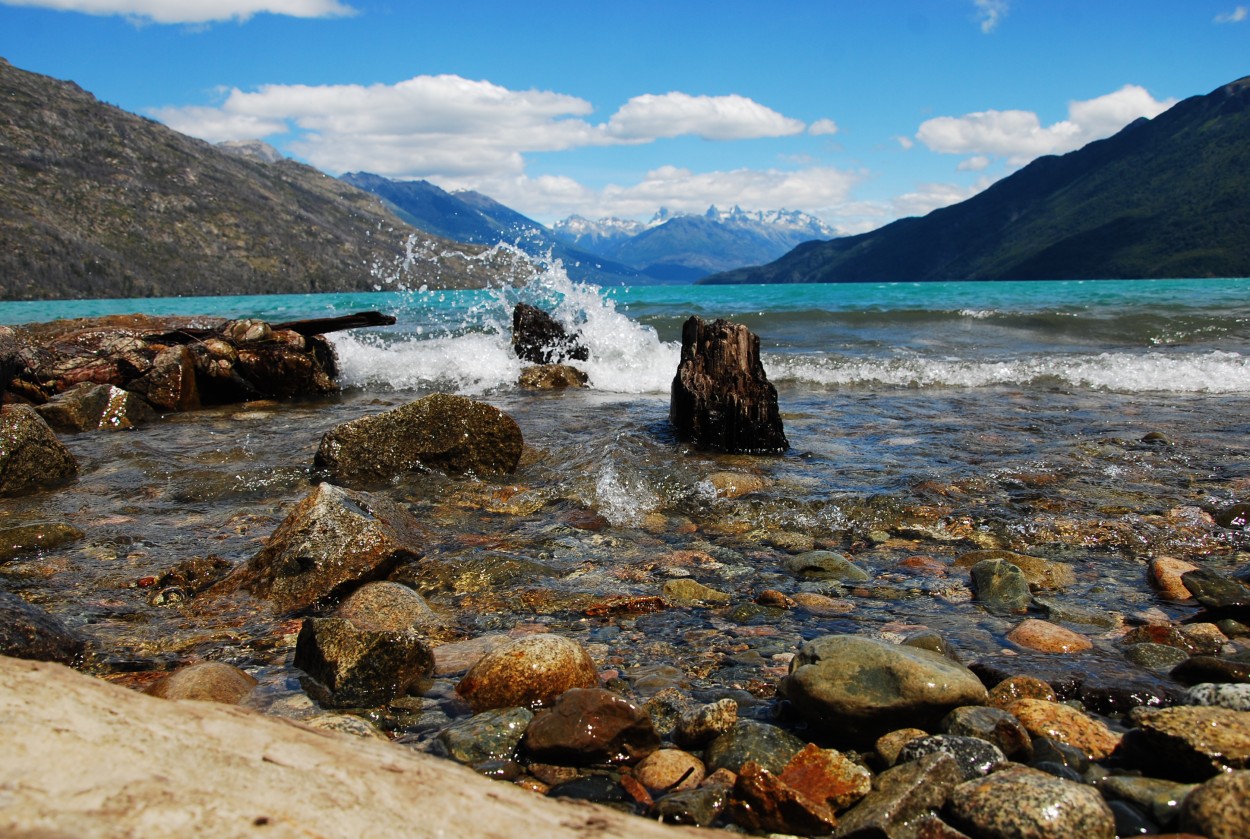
<point>858,112</point>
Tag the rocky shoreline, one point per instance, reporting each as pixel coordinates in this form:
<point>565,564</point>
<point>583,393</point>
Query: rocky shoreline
<point>1079,723</point>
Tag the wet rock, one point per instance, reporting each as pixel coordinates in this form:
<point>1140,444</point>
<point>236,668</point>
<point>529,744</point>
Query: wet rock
<point>1040,805</point>
<point>92,407</point>
<point>387,607</point>
<point>1208,668</point>
<point>975,757</point>
<point>602,789</point>
<point>359,667</point>
<point>449,433</point>
<point>207,681</point>
<point>1224,595</point>
<point>827,777</point>
<point>345,724</point>
<point>1234,517</point>
<point>1041,574</point>
<point>31,457</point>
<point>1046,637</point>
<point>1165,575</point>
<point>856,687</point>
<point>927,639</point>
<point>27,631</point>
<point>1103,681</point>
<point>670,770</point>
<point>1065,724</point>
<point>1235,697</point>
<point>684,591</point>
<point>527,672</point>
<point>170,384</point>
<point>1058,611</point>
<point>735,484</point>
<point>333,539</point>
<point>900,797</point>
<point>1161,799</point>
<point>39,536</point>
<point>823,565</point>
<point>750,741</point>
<point>540,338</point>
<point>1220,808</point>
<point>1008,690</point>
<point>992,725</point>
<point>491,735</point>
<point>695,807</point>
<point>1000,585</point>
<point>699,726</point>
<point>889,745</point>
<point>552,377</point>
<point>1050,750</point>
<point>1188,743</point>
<point>721,397</point>
<point>821,605</point>
<point>591,725</point>
<point>1155,656</point>
<point>761,802</point>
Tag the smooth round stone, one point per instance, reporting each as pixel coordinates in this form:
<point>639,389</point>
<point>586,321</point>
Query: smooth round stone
<point>1000,585</point>
<point>1023,802</point>
<point>1165,574</point>
<point>993,725</point>
<point>1162,799</point>
<point>769,746</point>
<point>207,681</point>
<point>824,565</point>
<point>927,639</point>
<point>591,725</point>
<point>1155,656</point>
<point>527,672</point>
<point>975,756</point>
<point>853,686</point>
<point>387,607</point>
<point>1220,808</point>
<point>699,806</point>
<point>670,770</point>
<point>821,605</point>
<point>1233,696</point>
<point>684,591</point>
<point>1020,687</point>
<point>1130,821</point>
<point>490,735</point>
<point>735,484</point>
<point>1046,637</point>
<point>1065,724</point>
<point>345,724</point>
<point>1038,572</point>
<point>1208,668</point>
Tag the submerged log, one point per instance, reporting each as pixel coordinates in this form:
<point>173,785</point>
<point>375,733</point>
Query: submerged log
<point>721,397</point>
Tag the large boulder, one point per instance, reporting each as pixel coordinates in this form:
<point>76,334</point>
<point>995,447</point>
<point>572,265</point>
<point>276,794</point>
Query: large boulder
<point>852,687</point>
<point>31,458</point>
<point>453,434</point>
<point>334,540</point>
<point>540,338</point>
<point>721,397</point>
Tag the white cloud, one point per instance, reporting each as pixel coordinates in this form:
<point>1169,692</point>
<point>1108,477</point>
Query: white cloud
<point>733,117</point>
<point>193,11</point>
<point>974,164</point>
<point>822,127</point>
<point>1020,137</point>
<point>1237,15</point>
<point>929,197</point>
<point>991,13</point>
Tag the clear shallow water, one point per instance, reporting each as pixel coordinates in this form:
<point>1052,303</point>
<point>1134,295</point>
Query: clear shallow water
<point>925,420</point>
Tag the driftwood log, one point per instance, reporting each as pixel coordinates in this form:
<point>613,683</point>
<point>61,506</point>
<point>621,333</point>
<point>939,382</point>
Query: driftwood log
<point>721,397</point>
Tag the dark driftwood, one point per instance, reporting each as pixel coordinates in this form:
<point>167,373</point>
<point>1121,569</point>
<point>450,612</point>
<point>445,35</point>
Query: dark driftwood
<point>721,397</point>
<point>320,326</point>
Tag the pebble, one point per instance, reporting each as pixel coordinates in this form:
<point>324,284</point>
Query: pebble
<point>889,745</point>
<point>824,565</point>
<point>1189,743</point>
<point>527,672</point>
<point>591,725</point>
<point>821,605</point>
<point>353,668</point>
<point>767,745</point>
<point>490,735</point>
<point>993,725</point>
<point>1046,637</point>
<point>207,681</point>
<point>1159,657</point>
<point>827,777</point>
<point>901,796</point>
<point>1000,585</point>
<point>684,591</point>
<point>670,770</point>
<point>1220,808</point>
<point>345,724</point>
<point>1208,668</point>
<point>1040,573</point>
<point>1162,799</point>
<point>694,807</point>
<point>699,726</point>
<point>735,484</point>
<point>1041,805</point>
<point>387,607</point>
<point>1233,696</point>
<point>1065,724</point>
<point>1165,575</point>
<point>974,756</point>
<point>27,631</point>
<point>1020,687</point>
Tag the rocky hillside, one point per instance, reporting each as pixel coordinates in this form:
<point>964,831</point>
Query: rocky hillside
<point>98,202</point>
<point>1167,197</point>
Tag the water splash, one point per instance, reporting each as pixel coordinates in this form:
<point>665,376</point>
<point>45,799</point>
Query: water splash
<point>622,498</point>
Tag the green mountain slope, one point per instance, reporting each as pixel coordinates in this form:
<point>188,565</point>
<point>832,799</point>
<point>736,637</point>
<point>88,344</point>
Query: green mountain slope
<point>1168,197</point>
<point>98,202</point>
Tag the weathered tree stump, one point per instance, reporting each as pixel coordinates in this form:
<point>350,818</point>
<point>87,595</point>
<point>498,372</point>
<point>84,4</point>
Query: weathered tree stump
<point>540,338</point>
<point>721,397</point>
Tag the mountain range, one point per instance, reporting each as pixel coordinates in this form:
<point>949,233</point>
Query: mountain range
<point>1164,197</point>
<point>97,202</point>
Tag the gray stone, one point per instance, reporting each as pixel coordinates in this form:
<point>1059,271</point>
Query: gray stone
<point>1155,656</point>
<point>1000,585</point>
<point>993,725</point>
<point>699,726</point>
<point>334,539</point>
<point>38,536</point>
<point>27,631</point>
<point>699,806</point>
<point>444,432</point>
<point>975,757</point>
<point>31,457</point>
<point>823,565</point>
<point>490,735</point>
<point>92,407</point>
<point>751,741</point>
<point>859,688</point>
<point>900,797</point>
<point>1233,696</point>
<point>1023,802</point>
<point>355,668</point>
